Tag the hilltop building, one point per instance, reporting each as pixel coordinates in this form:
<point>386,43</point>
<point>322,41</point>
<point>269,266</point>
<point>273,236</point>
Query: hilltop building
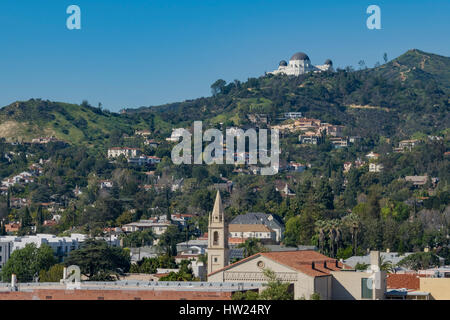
<point>300,64</point>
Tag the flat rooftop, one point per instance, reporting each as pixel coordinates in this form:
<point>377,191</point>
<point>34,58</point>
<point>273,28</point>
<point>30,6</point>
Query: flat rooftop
<point>139,285</point>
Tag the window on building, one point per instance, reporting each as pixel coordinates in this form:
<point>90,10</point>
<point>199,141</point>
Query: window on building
<point>216,238</point>
<point>366,288</point>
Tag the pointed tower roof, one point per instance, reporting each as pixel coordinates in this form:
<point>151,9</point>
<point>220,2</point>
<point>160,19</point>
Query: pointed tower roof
<point>218,208</point>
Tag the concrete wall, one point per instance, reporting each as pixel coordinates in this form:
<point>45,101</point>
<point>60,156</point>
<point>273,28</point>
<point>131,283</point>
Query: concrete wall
<point>323,286</point>
<point>252,271</point>
<point>346,285</point>
<point>439,288</point>
<point>54,294</point>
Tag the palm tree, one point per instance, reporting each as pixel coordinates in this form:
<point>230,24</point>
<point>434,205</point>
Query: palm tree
<point>353,222</point>
<point>251,246</point>
<point>386,265</point>
<point>320,228</point>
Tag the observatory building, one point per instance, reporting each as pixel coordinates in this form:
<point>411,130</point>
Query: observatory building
<point>301,64</point>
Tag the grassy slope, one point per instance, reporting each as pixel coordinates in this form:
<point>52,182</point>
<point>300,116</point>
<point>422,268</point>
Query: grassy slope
<point>318,95</point>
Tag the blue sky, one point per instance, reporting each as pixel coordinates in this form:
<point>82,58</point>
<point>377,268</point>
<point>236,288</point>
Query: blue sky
<point>139,53</point>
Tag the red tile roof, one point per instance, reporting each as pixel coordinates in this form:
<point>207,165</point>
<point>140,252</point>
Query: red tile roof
<point>400,281</point>
<point>309,262</point>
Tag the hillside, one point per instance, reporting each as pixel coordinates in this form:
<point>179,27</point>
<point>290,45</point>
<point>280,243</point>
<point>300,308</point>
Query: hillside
<point>416,65</point>
<point>79,124</point>
<point>406,95</point>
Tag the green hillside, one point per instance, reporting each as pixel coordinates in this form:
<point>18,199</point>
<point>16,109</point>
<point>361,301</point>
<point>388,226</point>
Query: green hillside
<point>406,95</point>
<point>79,124</point>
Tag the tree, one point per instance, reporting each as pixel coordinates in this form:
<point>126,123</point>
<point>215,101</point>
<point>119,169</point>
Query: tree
<point>385,57</point>
<point>386,265</point>
<point>2,228</point>
<point>98,261</point>
<point>314,296</point>
<point>247,295</point>
<point>169,240</point>
<point>324,195</point>
<point>54,274</point>
<point>251,246</point>
<point>39,216</point>
<point>362,266</point>
<point>138,239</point>
<point>275,289</point>
<point>362,64</point>
<point>420,260</point>
<point>150,265</point>
<point>26,263</point>
<point>217,87</point>
<point>26,223</point>
<point>184,273</point>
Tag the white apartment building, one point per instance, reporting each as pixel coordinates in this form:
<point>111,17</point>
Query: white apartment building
<point>61,245</point>
<point>158,228</point>
<point>125,151</point>
<point>375,167</point>
<point>247,231</point>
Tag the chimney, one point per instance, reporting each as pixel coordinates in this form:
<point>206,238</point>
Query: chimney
<point>325,264</point>
<point>375,258</point>
<point>313,265</point>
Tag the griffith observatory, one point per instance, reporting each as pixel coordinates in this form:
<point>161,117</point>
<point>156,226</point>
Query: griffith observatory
<point>301,64</point>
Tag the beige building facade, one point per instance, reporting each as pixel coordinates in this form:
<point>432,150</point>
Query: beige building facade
<point>309,272</point>
<point>439,288</point>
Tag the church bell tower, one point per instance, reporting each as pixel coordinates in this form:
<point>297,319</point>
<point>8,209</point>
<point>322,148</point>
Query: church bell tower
<point>218,252</point>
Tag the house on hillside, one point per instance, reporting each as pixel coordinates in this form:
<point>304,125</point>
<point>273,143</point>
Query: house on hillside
<point>408,144</point>
<point>125,151</point>
<point>272,222</point>
<point>255,231</point>
<point>375,167</point>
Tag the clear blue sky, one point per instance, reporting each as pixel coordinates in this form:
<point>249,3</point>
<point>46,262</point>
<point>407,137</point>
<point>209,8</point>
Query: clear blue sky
<point>139,53</point>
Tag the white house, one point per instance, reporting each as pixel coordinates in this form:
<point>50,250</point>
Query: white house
<point>125,151</point>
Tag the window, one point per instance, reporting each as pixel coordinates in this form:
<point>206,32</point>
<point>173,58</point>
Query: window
<point>216,238</point>
<point>366,288</point>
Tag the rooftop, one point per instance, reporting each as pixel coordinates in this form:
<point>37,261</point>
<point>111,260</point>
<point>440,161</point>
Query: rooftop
<point>309,262</point>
